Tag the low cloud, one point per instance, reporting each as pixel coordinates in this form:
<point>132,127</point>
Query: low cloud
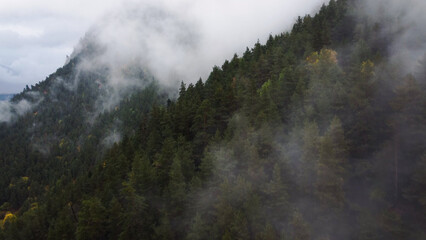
<point>183,40</point>
<point>10,110</point>
<point>37,36</point>
<point>401,24</point>
<point>174,42</point>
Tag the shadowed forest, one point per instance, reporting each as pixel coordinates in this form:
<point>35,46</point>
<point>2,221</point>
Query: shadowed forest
<point>320,133</point>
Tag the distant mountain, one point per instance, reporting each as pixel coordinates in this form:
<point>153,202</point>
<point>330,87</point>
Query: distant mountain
<point>315,135</point>
<point>5,97</point>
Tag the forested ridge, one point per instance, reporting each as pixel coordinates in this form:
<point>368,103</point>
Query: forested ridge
<point>314,135</point>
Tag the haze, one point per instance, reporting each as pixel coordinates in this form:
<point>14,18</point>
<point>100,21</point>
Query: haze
<point>36,36</point>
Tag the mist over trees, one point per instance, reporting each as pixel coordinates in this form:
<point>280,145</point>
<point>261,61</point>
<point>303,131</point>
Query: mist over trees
<point>317,134</point>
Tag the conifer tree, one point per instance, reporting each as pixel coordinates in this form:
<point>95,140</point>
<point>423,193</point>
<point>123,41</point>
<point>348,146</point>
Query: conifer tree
<point>299,229</point>
<point>331,166</point>
<point>309,158</point>
<point>91,220</point>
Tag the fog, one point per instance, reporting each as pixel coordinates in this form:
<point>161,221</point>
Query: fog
<point>10,110</point>
<point>183,40</point>
<point>37,35</point>
<point>178,41</point>
<point>402,23</point>
<point>172,41</point>
<point>401,30</point>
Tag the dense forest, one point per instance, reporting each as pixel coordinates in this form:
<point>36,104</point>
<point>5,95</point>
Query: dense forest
<point>316,134</point>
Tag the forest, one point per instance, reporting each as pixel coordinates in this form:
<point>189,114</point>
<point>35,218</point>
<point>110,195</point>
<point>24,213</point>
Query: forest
<point>316,134</point>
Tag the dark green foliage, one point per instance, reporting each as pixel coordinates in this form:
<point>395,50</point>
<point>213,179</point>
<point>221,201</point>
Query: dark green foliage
<point>300,138</point>
<point>331,166</point>
<point>300,229</point>
<point>91,220</point>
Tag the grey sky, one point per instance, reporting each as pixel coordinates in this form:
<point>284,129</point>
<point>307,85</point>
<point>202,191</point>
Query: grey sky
<point>36,36</point>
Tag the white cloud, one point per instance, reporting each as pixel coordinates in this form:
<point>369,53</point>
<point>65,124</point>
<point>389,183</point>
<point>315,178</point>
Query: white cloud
<point>10,110</point>
<point>403,24</point>
<point>36,36</point>
<point>22,31</point>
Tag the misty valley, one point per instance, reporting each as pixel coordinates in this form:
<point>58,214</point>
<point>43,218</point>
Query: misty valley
<point>317,133</point>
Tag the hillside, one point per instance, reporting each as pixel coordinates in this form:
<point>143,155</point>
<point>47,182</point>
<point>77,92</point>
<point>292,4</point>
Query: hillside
<point>317,134</point>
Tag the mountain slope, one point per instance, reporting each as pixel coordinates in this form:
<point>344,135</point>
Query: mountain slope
<point>304,137</point>
<point>65,131</point>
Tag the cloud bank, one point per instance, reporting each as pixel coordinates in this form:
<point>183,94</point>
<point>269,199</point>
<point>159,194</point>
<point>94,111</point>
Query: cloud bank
<point>184,39</point>
<point>402,25</point>
<point>36,36</point>
<point>10,110</point>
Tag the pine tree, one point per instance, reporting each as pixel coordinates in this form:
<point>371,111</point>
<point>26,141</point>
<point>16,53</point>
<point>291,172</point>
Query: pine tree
<point>277,198</point>
<point>135,220</point>
<point>164,160</point>
<point>176,188</point>
<point>299,229</point>
<point>309,158</point>
<point>91,220</point>
<point>198,229</point>
<point>142,176</point>
<point>239,226</point>
<point>268,232</point>
<point>418,184</point>
<point>331,166</point>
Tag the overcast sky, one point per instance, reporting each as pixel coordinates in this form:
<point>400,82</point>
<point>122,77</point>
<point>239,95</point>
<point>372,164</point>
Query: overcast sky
<point>36,36</point>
